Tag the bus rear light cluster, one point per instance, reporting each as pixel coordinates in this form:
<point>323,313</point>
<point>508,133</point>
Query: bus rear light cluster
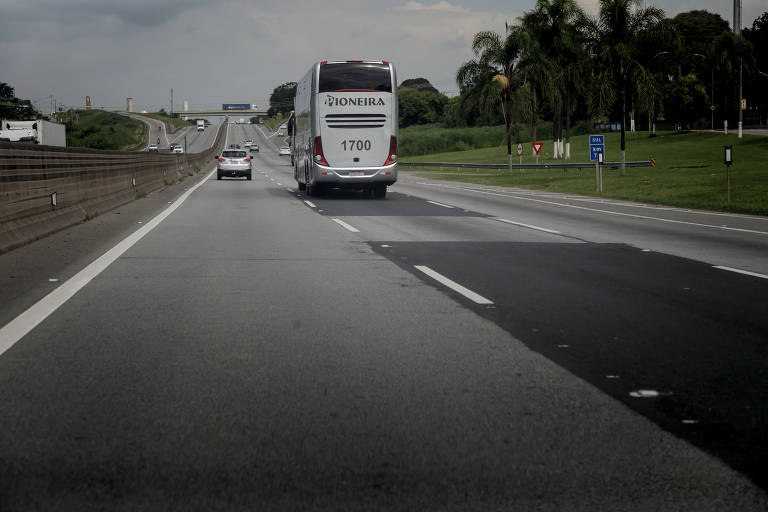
<point>319,156</point>
<point>392,156</point>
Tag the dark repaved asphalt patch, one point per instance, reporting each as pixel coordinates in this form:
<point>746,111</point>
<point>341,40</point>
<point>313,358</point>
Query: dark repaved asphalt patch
<point>627,320</point>
<point>351,203</point>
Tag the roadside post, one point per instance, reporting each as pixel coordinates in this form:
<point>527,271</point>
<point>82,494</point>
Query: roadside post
<point>537,147</point>
<point>520,153</point>
<point>600,165</point>
<point>728,160</point>
<point>597,154</point>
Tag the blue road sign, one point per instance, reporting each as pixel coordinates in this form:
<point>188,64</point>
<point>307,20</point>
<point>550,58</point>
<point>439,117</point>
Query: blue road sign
<point>596,146</point>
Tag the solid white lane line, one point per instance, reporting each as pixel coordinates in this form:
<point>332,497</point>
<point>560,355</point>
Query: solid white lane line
<point>440,204</point>
<point>537,228</point>
<point>739,271</point>
<point>346,226</point>
<point>598,210</point>
<point>17,328</point>
<point>453,285</point>
<point>310,204</point>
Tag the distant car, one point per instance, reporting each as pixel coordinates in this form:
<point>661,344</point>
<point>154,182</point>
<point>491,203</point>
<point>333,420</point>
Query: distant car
<point>178,149</point>
<point>254,148</point>
<point>172,146</point>
<point>233,163</point>
<point>247,143</point>
<point>284,150</point>
<point>152,148</point>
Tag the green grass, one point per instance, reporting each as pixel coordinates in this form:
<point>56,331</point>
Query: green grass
<point>169,121</point>
<point>274,122</point>
<point>434,138</point>
<point>99,129</point>
<point>689,170</point>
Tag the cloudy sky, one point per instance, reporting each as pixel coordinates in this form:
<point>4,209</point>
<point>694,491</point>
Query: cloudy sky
<point>237,51</point>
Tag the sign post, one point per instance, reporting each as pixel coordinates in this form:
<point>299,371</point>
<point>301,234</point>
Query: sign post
<point>520,153</point>
<point>728,160</point>
<point>537,147</point>
<point>597,154</point>
<point>600,165</point>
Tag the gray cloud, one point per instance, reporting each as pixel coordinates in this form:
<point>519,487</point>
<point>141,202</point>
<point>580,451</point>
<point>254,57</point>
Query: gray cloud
<point>214,51</point>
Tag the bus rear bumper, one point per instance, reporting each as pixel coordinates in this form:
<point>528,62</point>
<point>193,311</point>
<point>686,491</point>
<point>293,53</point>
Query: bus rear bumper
<point>355,176</point>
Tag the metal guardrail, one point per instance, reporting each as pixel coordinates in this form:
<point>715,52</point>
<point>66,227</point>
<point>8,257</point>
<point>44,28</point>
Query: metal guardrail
<point>579,165</point>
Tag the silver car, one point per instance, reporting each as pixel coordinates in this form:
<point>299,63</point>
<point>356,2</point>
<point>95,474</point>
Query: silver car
<point>233,163</point>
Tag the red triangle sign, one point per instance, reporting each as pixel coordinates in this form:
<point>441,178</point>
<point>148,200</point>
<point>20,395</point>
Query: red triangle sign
<point>537,146</point>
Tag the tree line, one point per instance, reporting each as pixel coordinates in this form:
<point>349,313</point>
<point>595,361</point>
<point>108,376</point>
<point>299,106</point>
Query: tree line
<point>628,63</point>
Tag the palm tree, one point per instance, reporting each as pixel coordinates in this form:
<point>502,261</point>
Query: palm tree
<point>492,74</point>
<point>615,38</point>
<point>554,57</point>
<point>534,66</point>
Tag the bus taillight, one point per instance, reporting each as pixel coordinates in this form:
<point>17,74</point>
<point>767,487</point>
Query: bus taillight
<point>319,156</point>
<point>392,156</point>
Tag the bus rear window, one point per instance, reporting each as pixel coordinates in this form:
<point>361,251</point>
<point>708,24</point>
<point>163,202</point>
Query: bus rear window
<point>355,76</point>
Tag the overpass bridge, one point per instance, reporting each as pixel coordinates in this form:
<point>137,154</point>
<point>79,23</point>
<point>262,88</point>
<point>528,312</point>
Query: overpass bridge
<point>222,112</point>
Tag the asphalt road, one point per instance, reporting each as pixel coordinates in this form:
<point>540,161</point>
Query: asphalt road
<point>195,141</point>
<point>259,351</point>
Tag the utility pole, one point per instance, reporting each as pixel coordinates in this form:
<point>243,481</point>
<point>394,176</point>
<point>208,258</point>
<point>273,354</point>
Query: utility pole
<point>171,101</point>
<point>737,31</point>
<point>741,98</point>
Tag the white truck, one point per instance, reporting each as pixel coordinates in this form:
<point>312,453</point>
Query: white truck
<point>33,132</point>
<point>200,125</point>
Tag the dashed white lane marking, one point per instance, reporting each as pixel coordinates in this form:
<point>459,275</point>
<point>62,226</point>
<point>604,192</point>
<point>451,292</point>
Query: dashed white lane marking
<point>739,271</point>
<point>440,204</point>
<point>17,328</point>
<point>310,204</point>
<point>453,285</point>
<point>529,226</point>
<point>279,184</point>
<point>346,226</point>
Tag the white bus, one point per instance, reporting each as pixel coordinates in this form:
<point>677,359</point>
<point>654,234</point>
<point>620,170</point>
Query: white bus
<point>344,133</point>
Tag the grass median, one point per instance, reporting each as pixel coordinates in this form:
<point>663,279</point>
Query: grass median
<point>175,122</point>
<point>689,171</point>
<point>99,129</point>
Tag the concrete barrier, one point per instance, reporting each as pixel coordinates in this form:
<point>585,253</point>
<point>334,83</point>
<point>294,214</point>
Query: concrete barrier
<point>44,189</point>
